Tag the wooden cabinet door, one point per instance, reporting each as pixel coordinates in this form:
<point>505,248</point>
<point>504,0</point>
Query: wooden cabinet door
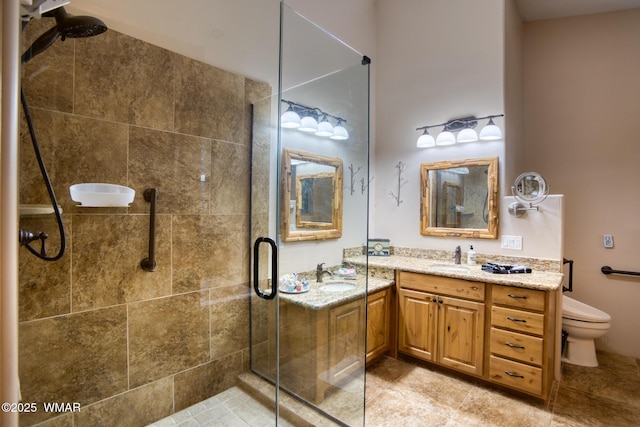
<point>461,334</point>
<point>417,324</point>
<point>377,324</point>
<point>346,341</point>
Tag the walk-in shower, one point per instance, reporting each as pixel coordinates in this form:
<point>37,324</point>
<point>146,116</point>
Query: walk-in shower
<point>66,27</point>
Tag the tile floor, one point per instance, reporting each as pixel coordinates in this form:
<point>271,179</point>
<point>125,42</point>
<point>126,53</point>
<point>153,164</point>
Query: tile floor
<point>403,393</point>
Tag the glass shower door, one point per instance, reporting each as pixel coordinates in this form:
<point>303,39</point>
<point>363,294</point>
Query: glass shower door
<point>310,205</point>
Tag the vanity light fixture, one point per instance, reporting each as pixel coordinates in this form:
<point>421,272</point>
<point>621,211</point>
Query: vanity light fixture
<point>324,127</point>
<point>290,119</point>
<point>465,127</point>
<point>426,140</point>
<point>313,120</point>
<point>308,124</point>
<point>340,132</point>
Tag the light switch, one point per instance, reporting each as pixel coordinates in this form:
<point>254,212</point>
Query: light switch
<point>511,242</point>
<point>608,241</point>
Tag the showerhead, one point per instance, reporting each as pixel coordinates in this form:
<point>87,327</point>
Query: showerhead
<point>66,26</point>
<point>76,26</point>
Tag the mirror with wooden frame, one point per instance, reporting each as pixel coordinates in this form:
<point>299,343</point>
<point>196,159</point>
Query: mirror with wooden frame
<point>311,194</point>
<point>459,198</point>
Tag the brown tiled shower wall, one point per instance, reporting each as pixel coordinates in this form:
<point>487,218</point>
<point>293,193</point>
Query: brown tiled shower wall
<point>96,329</point>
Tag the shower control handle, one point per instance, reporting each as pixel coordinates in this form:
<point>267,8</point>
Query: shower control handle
<point>25,237</point>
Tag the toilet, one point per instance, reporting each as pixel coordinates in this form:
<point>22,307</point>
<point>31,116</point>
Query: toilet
<point>584,324</point>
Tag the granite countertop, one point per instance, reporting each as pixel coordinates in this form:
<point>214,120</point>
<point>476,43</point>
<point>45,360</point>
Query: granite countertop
<point>537,279</point>
<point>316,299</point>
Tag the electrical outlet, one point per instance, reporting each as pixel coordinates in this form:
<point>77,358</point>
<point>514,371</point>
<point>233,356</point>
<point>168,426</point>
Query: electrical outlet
<point>511,242</point>
<point>608,241</point>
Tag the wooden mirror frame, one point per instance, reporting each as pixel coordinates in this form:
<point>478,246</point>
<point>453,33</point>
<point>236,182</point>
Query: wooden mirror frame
<point>324,231</point>
<point>491,232</point>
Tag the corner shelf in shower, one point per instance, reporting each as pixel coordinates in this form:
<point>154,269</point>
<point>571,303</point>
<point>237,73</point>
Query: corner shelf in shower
<point>100,195</point>
<point>35,210</point>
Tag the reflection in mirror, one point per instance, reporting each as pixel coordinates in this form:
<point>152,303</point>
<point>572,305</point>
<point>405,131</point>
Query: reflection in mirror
<point>314,201</point>
<point>460,198</point>
<point>313,210</point>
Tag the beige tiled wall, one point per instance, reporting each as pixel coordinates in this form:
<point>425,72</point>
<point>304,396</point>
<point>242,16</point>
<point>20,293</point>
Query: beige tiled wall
<point>127,344</point>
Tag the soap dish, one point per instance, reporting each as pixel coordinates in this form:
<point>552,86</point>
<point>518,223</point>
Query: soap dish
<point>99,195</point>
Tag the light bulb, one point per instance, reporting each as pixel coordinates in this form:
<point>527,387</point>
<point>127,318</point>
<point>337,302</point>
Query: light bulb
<point>445,138</point>
<point>339,133</point>
<point>425,140</point>
<point>467,135</point>
<point>290,119</point>
<point>308,124</point>
<point>324,127</point>
<point>490,132</point>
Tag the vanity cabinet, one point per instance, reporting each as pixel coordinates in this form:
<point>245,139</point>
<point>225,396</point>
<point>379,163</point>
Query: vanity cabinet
<point>345,341</point>
<point>378,324</point>
<point>441,320</point>
<point>320,348</point>
<point>521,339</point>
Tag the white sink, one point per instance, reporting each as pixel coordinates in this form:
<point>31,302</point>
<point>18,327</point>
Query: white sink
<point>338,287</point>
<point>450,267</point>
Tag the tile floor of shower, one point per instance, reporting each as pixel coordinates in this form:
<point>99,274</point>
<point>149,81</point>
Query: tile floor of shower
<point>404,393</point>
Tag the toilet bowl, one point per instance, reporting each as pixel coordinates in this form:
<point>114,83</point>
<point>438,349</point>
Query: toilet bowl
<point>584,324</point>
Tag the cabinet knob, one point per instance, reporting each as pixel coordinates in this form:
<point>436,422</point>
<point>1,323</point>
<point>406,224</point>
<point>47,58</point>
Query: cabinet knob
<point>513,319</point>
<point>434,299</point>
<point>517,296</point>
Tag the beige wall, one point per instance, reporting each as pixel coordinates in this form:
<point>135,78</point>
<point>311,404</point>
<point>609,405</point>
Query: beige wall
<point>581,107</point>
<point>513,93</point>
<point>95,328</point>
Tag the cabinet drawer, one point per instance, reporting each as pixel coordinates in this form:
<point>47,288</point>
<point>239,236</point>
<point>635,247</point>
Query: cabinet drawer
<point>523,321</point>
<point>529,299</point>
<point>442,285</point>
<point>516,375</point>
<point>516,346</point>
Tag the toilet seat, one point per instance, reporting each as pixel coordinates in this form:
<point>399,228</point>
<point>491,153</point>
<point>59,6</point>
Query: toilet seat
<point>576,310</point>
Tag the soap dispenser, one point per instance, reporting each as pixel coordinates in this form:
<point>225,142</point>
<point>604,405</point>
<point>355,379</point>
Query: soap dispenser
<point>471,256</point>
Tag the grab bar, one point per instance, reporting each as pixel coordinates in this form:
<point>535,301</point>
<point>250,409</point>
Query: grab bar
<point>570,262</point>
<point>608,270</point>
<point>149,264</point>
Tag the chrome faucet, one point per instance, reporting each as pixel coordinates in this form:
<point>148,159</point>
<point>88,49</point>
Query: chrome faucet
<point>320,272</point>
<point>457,254</point>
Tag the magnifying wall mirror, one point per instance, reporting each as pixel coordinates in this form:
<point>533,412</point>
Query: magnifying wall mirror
<point>311,192</point>
<point>460,198</point>
<point>529,189</point>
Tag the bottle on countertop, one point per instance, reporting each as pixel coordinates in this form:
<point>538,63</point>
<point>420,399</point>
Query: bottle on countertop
<point>471,256</point>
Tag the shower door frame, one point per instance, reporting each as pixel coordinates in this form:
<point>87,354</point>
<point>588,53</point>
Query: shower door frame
<point>265,282</point>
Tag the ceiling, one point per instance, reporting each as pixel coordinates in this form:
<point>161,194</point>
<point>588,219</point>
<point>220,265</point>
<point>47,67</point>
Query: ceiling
<point>534,10</point>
